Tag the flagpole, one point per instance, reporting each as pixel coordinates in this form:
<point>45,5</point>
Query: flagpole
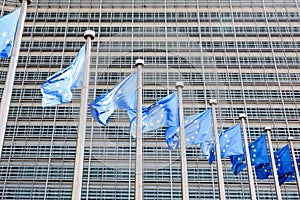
<point>139,64</point>
<point>213,103</point>
<point>184,176</point>
<point>11,71</point>
<point>79,160</point>
<point>290,139</point>
<point>275,175</point>
<point>242,117</point>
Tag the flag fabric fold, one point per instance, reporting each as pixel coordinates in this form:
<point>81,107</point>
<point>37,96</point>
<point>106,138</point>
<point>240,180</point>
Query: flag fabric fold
<point>259,158</point>
<point>263,170</point>
<point>198,131</point>
<point>231,143</point>
<point>298,164</point>
<point>284,164</point>
<point>238,163</point>
<point>8,28</point>
<point>259,151</point>
<point>162,113</point>
<point>122,96</point>
<point>58,88</point>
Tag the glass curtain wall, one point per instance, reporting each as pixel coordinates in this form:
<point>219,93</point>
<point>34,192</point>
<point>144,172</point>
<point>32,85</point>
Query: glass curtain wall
<point>244,54</point>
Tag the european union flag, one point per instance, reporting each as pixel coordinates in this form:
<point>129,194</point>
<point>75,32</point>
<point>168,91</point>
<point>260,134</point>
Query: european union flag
<point>198,131</point>
<point>284,164</point>
<point>122,96</point>
<point>230,143</point>
<point>58,87</point>
<point>298,164</point>
<point>8,28</point>
<point>287,178</point>
<point>263,170</point>
<point>259,158</point>
<point>238,163</point>
<point>162,113</point>
<point>259,151</point>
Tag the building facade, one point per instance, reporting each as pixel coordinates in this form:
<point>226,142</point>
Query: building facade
<point>244,54</point>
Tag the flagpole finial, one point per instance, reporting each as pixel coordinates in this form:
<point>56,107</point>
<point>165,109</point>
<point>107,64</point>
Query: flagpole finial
<point>89,33</point>
<point>139,62</point>
<point>179,84</point>
<point>267,128</point>
<point>242,116</point>
<point>28,1</point>
<point>290,138</point>
<point>213,101</point>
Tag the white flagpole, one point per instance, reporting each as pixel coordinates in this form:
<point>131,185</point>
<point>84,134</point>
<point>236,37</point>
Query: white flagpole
<point>11,71</point>
<point>184,176</point>
<point>290,139</point>
<point>139,136</point>
<point>79,160</point>
<point>274,168</point>
<point>213,103</point>
<point>242,117</point>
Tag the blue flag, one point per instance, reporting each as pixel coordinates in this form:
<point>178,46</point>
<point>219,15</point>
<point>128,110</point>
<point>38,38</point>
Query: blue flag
<point>298,164</point>
<point>238,163</point>
<point>8,28</point>
<point>263,170</point>
<point>259,158</point>
<point>259,151</point>
<point>230,143</point>
<point>284,164</point>
<point>198,131</point>
<point>58,88</point>
<point>122,96</point>
<point>160,114</point>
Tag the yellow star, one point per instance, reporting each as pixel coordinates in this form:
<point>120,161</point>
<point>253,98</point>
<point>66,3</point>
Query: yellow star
<point>4,34</point>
